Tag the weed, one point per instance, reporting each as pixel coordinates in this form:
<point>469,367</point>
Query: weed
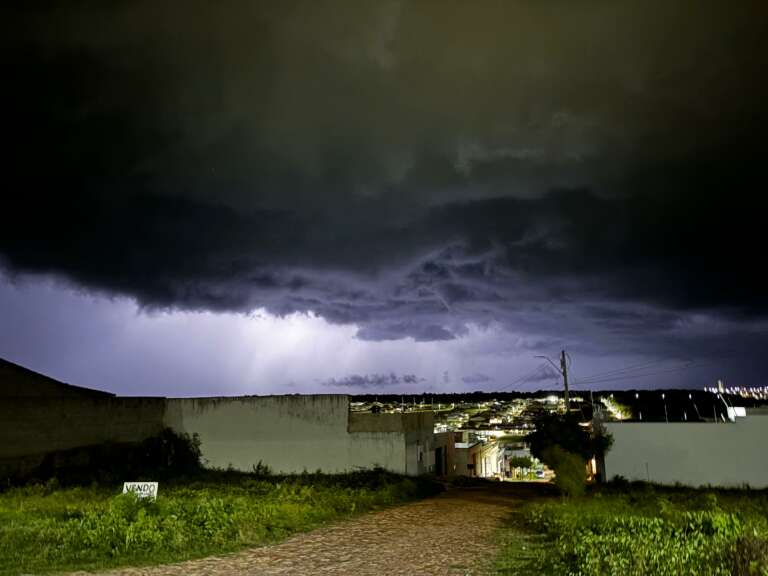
<point>644,530</point>
<point>45,528</point>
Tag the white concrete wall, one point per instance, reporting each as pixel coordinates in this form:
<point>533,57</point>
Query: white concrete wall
<point>414,432</point>
<point>694,454</point>
<point>377,449</point>
<point>419,452</point>
<point>289,434</point>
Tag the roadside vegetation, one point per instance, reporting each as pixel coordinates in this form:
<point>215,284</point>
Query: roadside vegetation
<point>47,527</point>
<point>640,530</point>
<point>628,529</point>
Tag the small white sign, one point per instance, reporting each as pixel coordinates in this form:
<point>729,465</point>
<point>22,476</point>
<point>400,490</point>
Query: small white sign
<point>141,489</point>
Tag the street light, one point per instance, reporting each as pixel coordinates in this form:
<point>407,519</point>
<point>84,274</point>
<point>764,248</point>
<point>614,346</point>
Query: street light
<point>690,397</point>
<point>666,416</point>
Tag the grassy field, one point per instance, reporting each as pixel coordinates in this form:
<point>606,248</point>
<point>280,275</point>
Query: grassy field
<point>45,528</point>
<point>640,530</point>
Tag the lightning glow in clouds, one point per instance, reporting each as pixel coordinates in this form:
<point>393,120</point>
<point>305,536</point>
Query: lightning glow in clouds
<point>111,344</point>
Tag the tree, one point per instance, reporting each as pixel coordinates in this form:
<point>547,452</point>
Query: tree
<point>561,430</point>
<point>564,430</point>
<point>521,462</point>
<point>563,444</point>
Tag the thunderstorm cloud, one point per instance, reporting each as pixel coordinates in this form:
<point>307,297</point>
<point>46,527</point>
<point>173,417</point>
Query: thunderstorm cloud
<point>570,173</point>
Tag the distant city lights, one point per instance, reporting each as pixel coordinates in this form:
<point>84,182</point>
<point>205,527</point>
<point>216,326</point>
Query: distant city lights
<point>756,392</point>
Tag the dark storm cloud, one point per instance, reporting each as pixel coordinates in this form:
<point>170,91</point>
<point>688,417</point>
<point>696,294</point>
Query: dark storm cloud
<point>476,379</point>
<point>406,167</point>
<point>373,380</point>
<point>394,331</point>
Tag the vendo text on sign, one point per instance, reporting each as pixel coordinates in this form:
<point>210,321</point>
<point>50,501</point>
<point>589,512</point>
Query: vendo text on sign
<point>141,489</point>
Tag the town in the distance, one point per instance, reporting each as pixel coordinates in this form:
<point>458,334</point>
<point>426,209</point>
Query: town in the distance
<point>488,429</point>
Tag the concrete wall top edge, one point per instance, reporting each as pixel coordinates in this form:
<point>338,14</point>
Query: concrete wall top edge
<point>367,422</point>
<point>255,397</point>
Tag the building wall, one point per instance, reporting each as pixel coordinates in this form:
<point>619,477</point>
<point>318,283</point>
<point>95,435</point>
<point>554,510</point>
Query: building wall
<point>413,433</point>
<point>465,455</point>
<point>419,452</point>
<point>288,433</point>
<point>31,427</point>
<point>446,441</point>
<point>488,461</point>
<point>376,450</point>
<point>291,434</point>
<point>692,453</point>
<point>36,426</point>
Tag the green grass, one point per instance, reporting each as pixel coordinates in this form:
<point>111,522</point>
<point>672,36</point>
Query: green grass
<point>47,528</point>
<point>640,531</point>
<point>522,550</point>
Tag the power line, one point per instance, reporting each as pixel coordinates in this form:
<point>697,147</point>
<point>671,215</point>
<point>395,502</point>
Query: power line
<point>525,378</point>
<point>522,379</point>
<point>633,376</point>
<point>625,369</point>
<point>645,372</point>
<point>552,379</point>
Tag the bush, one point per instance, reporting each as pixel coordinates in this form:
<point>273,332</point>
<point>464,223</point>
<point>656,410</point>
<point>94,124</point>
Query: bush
<point>168,454</point>
<point>641,545</point>
<point>570,471</point>
<point>655,532</point>
<point>161,457</point>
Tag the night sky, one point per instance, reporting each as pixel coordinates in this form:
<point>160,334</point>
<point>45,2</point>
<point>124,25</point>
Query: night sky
<point>338,196</point>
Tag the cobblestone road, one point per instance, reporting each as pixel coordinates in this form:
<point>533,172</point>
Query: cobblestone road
<point>448,535</point>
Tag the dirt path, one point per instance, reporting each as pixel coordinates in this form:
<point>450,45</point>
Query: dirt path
<point>451,534</point>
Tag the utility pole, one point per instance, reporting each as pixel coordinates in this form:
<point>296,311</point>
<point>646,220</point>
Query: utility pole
<point>564,370</point>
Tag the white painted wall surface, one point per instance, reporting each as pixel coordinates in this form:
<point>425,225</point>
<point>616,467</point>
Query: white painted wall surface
<point>289,434</point>
<point>693,454</point>
<point>377,449</point>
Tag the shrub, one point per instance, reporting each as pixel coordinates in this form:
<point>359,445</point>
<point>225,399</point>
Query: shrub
<point>166,455</point>
<point>261,470</point>
<point>656,532</point>
<point>570,474</point>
